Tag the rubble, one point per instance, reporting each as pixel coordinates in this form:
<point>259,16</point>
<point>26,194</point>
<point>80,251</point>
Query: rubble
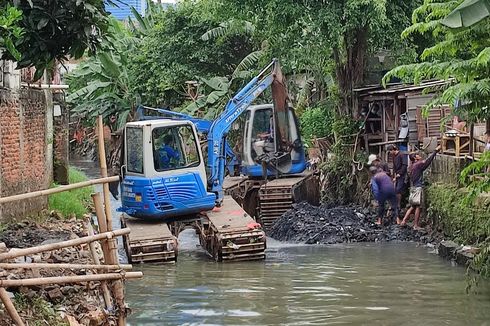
<point>69,304</point>
<point>345,224</point>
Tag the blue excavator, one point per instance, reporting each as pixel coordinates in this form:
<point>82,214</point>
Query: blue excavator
<point>175,166</point>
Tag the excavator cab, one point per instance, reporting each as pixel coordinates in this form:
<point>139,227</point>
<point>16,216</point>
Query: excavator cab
<point>164,170</point>
<point>262,148</point>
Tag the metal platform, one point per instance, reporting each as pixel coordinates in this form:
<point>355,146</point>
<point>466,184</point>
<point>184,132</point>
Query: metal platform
<point>149,241</point>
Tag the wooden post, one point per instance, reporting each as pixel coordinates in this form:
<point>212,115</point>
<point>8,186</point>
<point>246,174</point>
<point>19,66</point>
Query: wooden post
<point>9,306</point>
<point>99,212</point>
<point>105,290</point>
<point>472,141</point>
<point>103,172</point>
<point>118,287</point>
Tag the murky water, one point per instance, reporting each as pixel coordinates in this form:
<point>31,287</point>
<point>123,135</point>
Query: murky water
<point>362,284</point>
<point>378,284</point>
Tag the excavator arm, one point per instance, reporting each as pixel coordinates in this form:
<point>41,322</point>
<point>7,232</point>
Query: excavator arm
<point>234,108</point>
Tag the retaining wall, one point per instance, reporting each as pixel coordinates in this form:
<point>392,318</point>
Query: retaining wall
<point>25,147</point>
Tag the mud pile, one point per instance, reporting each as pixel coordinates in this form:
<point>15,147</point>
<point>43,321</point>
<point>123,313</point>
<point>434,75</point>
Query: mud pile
<point>324,225</point>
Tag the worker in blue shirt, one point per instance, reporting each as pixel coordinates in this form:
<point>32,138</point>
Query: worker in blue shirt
<point>167,152</point>
<point>383,191</point>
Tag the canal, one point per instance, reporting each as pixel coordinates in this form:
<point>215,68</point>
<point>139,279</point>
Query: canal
<point>354,284</point>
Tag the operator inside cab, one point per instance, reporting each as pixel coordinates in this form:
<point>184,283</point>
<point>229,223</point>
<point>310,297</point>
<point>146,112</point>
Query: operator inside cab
<point>167,152</point>
<point>265,140</point>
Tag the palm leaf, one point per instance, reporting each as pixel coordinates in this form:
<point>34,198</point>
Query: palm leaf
<point>248,62</point>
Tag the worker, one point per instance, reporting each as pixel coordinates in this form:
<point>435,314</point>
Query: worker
<point>167,152</point>
<point>416,173</point>
<point>374,160</point>
<point>383,191</point>
<point>400,164</point>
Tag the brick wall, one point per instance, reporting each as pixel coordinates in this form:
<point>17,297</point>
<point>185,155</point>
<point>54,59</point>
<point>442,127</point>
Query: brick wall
<point>25,147</point>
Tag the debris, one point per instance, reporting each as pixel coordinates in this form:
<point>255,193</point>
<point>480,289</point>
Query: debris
<point>326,225</point>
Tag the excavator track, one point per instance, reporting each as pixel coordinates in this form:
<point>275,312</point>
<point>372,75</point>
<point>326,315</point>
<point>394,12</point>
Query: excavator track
<point>229,234</point>
<point>270,199</point>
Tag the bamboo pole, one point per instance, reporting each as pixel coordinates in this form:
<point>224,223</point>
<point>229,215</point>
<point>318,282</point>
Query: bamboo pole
<point>9,306</point>
<point>69,279</point>
<point>105,290</point>
<point>103,173</point>
<point>118,288</point>
<point>99,212</point>
<point>65,266</point>
<point>59,245</point>
<point>58,189</point>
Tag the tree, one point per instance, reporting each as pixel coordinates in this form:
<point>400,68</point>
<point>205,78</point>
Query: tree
<point>323,38</point>
<point>10,31</point>
<point>462,55</point>
<point>101,83</point>
<point>52,30</point>
<point>174,52</point>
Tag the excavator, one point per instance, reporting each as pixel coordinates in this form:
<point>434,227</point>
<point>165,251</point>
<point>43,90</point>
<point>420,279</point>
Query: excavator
<point>169,183</point>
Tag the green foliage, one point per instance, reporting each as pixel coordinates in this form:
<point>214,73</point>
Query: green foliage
<point>54,30</point>
<point>462,55</point>
<point>467,222</point>
<point>10,31</point>
<point>321,39</point>
<point>75,202</point>
<point>476,177</point>
<point>317,122</point>
<point>38,312</point>
<point>173,52</point>
<point>101,84</point>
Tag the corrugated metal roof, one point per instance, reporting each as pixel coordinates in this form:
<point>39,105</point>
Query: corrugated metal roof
<point>399,88</point>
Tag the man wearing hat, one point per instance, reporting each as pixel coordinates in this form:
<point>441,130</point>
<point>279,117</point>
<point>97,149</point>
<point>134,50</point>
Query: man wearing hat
<point>374,160</point>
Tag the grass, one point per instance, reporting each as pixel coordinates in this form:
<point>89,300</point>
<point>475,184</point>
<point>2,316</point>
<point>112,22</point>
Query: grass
<point>74,202</point>
<point>37,311</point>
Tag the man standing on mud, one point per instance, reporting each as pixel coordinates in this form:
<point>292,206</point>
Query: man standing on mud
<point>400,164</point>
<point>383,191</point>
<point>417,180</point>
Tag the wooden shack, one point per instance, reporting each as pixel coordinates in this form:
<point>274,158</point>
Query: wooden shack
<point>382,108</point>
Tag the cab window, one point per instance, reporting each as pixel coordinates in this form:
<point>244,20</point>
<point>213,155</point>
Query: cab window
<point>174,148</point>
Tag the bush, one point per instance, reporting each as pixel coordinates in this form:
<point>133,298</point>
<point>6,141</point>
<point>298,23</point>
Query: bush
<point>75,202</point>
<point>316,123</point>
<point>466,222</point>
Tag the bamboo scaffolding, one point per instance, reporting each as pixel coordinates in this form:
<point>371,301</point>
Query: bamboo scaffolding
<point>105,290</point>
<point>69,243</point>
<point>9,306</point>
<point>117,288</point>
<point>51,191</point>
<point>69,279</point>
<point>96,266</point>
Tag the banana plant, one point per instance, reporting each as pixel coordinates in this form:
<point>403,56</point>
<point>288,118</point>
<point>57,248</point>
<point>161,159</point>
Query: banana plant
<point>214,93</point>
<point>100,84</point>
